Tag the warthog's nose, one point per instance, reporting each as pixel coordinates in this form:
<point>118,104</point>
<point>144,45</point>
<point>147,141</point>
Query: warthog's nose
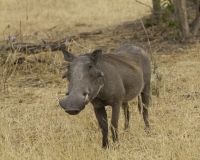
<point>72,112</point>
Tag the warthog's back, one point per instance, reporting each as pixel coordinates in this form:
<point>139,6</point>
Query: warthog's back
<point>140,57</point>
<point>125,73</point>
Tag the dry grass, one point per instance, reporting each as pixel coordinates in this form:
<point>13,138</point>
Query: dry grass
<point>33,126</point>
<point>72,15</point>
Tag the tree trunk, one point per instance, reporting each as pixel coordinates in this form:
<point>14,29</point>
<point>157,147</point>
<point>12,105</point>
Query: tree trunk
<point>196,24</point>
<point>156,9</point>
<point>181,16</point>
<point>175,9</point>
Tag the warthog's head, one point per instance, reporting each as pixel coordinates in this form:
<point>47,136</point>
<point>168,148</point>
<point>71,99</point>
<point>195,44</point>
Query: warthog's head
<point>85,81</point>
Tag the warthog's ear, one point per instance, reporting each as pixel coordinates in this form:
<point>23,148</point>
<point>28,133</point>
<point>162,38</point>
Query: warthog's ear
<point>96,55</point>
<point>68,56</point>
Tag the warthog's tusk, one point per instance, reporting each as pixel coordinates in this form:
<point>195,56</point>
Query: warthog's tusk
<point>57,97</point>
<point>86,98</point>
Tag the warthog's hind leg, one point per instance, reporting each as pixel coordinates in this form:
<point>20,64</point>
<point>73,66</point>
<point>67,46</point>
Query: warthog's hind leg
<point>145,100</point>
<point>114,120</point>
<point>125,107</point>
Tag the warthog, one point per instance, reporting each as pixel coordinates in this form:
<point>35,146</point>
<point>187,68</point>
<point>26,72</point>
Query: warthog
<point>108,79</point>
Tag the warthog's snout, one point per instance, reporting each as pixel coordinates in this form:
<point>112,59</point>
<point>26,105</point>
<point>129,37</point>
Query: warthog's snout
<point>73,105</point>
<point>72,112</point>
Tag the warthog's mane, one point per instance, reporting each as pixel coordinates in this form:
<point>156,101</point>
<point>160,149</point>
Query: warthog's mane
<point>121,59</point>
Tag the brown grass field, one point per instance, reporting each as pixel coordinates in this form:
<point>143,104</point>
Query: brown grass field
<point>34,127</point>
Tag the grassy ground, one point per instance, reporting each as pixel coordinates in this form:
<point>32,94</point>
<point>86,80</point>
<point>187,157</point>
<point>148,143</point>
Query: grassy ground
<point>41,15</point>
<point>33,126</point>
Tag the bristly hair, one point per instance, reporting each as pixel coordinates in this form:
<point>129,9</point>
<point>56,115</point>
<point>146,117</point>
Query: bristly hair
<point>117,59</point>
<point>124,59</point>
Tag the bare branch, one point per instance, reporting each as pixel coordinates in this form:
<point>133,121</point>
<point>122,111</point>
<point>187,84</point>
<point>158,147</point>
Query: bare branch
<point>144,4</point>
<point>147,38</point>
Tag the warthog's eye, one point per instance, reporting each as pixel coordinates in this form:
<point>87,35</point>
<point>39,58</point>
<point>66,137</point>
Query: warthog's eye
<point>90,66</point>
<point>67,74</point>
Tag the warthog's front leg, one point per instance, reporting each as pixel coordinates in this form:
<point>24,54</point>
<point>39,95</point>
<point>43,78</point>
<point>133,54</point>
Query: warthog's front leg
<point>114,121</point>
<point>103,123</point>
